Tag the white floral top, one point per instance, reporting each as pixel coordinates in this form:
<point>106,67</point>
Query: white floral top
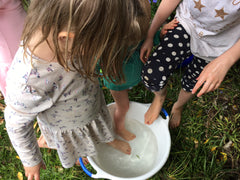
<point>69,108</point>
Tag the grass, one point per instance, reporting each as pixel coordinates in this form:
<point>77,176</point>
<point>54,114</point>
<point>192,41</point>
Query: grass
<point>205,146</point>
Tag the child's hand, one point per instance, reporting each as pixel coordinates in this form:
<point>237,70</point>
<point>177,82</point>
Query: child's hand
<point>34,172</point>
<point>146,50</point>
<point>212,76</point>
<point>170,25</point>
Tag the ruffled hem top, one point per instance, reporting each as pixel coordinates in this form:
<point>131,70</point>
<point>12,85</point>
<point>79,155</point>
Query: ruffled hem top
<point>70,110</point>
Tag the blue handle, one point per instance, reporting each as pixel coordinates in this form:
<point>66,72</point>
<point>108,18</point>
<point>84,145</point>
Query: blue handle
<point>84,168</point>
<point>165,112</point>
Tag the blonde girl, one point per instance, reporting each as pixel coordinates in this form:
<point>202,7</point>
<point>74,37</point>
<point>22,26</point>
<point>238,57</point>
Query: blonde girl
<point>53,78</point>
<point>132,71</point>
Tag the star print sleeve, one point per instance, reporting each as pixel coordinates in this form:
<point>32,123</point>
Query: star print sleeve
<point>20,113</point>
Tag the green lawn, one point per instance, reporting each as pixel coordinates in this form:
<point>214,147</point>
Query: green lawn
<point>205,146</point>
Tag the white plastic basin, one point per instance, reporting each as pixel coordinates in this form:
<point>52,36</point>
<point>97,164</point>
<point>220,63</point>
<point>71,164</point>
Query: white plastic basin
<point>150,149</point>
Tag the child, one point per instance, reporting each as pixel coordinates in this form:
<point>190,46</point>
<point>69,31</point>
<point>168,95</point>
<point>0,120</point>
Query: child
<point>132,72</point>
<point>53,78</point>
<point>207,29</point>
<point>12,17</point>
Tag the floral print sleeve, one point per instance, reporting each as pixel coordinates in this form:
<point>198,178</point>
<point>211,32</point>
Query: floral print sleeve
<point>24,102</point>
<point>20,114</point>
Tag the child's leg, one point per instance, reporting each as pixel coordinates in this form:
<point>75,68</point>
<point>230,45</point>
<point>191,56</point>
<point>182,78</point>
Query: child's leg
<point>42,142</point>
<point>194,68</point>
<point>171,52</point>
<point>122,106</point>
<point>85,161</point>
<point>154,110</point>
<point>121,146</point>
<point>177,108</point>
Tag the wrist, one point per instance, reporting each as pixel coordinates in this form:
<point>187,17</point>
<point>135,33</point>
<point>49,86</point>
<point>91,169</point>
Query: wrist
<point>149,39</point>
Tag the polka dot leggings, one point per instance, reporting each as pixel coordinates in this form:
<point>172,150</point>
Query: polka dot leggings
<point>170,53</point>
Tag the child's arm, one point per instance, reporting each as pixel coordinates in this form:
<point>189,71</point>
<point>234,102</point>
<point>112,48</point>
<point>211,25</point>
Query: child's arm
<point>171,25</point>
<point>214,73</point>
<point>20,113</point>
<point>164,10</point>
<point>21,133</point>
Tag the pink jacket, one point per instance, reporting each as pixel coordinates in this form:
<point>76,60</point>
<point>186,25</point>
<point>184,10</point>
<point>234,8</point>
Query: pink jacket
<point>12,17</point>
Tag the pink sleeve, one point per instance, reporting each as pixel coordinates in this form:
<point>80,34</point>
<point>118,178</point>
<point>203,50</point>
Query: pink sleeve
<point>12,17</point>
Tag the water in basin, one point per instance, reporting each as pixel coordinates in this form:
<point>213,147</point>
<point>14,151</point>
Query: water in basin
<point>142,159</point>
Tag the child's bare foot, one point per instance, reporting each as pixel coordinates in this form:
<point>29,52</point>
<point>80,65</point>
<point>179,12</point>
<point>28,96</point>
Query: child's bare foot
<point>175,118</point>
<point>120,129</point>
<point>121,146</point>
<point>85,161</point>
<point>154,110</point>
<point>125,134</point>
<point>42,142</point>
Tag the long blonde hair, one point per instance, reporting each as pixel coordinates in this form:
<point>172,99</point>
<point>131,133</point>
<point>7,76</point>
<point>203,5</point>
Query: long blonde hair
<point>103,31</point>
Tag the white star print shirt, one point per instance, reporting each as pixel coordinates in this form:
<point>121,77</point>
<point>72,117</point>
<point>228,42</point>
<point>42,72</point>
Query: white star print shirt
<point>214,26</point>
